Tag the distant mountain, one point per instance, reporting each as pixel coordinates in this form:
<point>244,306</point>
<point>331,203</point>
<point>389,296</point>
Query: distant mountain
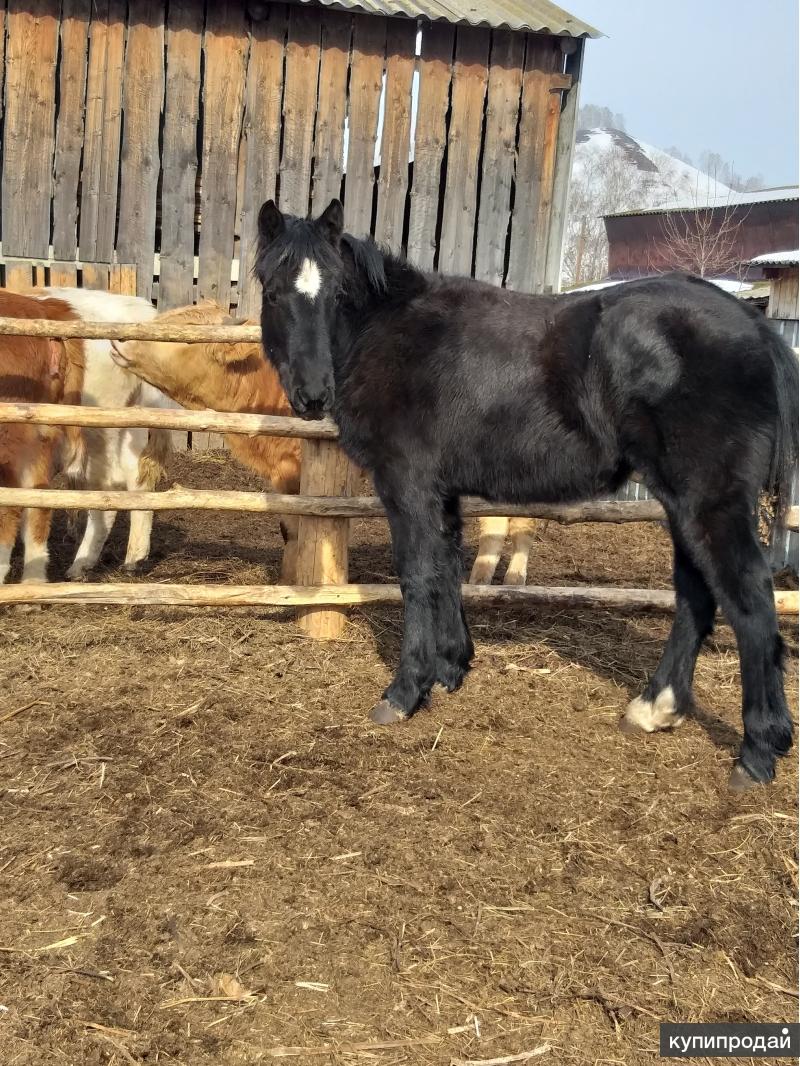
<point>644,176</point>
<point>612,172</point>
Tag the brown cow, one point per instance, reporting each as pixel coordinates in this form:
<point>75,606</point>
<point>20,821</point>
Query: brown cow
<point>35,370</point>
<point>224,377</point>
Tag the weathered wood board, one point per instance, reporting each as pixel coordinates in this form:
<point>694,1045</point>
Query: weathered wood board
<point>142,103</point>
<point>366,82</point>
<point>179,156</point>
<point>29,126</point>
<point>463,150</point>
<point>331,109</point>
<point>299,107</point>
<point>499,154</point>
<point>102,127</point>
<point>223,102</point>
<point>396,138</point>
<point>262,119</point>
<point>69,129</point>
<point>430,140</point>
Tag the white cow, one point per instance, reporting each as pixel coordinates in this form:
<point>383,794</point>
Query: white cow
<point>114,458</point>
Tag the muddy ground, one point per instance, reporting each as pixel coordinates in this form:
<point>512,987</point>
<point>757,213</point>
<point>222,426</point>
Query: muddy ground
<point>210,856</point>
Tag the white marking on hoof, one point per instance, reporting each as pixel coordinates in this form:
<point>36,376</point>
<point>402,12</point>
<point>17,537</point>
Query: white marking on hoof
<point>309,280</point>
<point>649,716</point>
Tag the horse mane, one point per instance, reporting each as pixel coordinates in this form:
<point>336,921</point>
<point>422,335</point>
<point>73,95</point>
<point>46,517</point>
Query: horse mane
<point>380,273</point>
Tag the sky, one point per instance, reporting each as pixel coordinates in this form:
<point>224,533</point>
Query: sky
<point>703,75</point>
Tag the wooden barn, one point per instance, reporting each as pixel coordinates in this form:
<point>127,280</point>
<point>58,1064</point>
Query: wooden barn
<point>147,135</point>
<point>728,233</point>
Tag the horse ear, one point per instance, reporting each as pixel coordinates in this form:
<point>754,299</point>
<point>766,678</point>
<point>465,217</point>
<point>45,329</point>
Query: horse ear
<point>271,222</point>
<point>331,221</point>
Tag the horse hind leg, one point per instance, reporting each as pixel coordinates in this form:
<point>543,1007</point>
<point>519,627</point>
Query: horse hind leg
<point>724,547</point>
<point>668,696</point>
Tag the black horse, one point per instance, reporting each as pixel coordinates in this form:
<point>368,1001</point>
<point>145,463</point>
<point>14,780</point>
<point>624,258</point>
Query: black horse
<point>443,387</point>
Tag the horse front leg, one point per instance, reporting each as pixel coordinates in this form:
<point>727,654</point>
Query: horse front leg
<point>454,647</point>
<point>418,544</point>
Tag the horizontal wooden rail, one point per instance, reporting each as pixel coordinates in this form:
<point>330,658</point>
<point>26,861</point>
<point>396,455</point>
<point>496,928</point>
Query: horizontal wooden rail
<point>180,499</point>
<point>58,414</point>
<point>130,331</point>
<point>341,596</point>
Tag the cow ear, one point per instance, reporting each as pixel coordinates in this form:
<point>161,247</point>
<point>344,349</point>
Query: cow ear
<point>331,221</point>
<point>225,353</point>
<point>271,222</point>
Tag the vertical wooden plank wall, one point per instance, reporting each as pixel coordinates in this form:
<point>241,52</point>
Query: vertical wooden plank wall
<point>157,144</point>
<point>262,117</point>
<point>142,103</point>
<point>29,134</point>
<point>331,110</point>
<point>366,78</point>
<point>69,131</point>
<point>470,72</point>
<point>396,139</point>
<point>223,101</point>
<point>299,106</point>
<point>430,140</point>
<point>179,161</point>
<point>103,123</point>
<point>499,154</point>
<point>535,158</point>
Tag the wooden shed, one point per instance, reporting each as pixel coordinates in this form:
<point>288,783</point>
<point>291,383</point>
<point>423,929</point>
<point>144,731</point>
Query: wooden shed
<point>149,134</point>
<point>643,242</point>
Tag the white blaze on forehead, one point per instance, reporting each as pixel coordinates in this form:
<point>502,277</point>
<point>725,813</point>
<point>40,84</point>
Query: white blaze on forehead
<point>308,281</point>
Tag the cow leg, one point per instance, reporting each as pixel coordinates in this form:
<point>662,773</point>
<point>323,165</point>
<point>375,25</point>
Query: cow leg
<point>9,526</point>
<point>98,527</point>
<point>142,458</point>
<point>521,533</point>
<point>491,540</point>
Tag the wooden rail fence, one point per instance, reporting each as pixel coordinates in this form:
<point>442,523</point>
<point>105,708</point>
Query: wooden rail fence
<point>325,506</point>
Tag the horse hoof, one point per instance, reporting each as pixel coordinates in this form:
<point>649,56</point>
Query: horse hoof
<point>740,780</point>
<point>385,713</point>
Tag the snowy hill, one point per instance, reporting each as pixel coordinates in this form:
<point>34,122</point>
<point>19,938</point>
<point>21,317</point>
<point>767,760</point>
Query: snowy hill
<point>613,172</point>
<point>634,174</point>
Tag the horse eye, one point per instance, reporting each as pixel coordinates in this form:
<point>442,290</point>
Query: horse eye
<point>271,296</point>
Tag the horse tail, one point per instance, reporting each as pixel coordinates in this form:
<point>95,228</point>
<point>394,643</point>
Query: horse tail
<point>783,464</point>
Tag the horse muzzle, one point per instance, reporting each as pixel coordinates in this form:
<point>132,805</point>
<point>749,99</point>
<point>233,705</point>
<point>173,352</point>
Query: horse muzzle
<point>312,405</point>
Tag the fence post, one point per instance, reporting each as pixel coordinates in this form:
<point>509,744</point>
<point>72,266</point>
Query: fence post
<point>322,542</point>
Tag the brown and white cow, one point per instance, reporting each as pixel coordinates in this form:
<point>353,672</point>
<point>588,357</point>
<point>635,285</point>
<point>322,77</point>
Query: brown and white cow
<point>35,370</point>
<point>225,377</point>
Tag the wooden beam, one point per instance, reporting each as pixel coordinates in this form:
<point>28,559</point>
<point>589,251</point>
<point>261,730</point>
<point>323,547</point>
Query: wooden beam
<point>57,414</point>
<point>565,148</point>
<point>322,541</point>
<point>157,595</point>
<point>129,331</point>
<point>616,512</point>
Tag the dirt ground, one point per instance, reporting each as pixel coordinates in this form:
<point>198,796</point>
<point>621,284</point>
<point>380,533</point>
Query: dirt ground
<point>210,855</point>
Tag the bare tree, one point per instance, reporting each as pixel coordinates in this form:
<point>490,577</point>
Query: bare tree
<point>705,240</point>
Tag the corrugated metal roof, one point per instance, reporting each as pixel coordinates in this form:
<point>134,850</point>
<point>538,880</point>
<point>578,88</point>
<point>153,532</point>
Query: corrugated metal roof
<point>540,16</point>
<point>777,259</point>
<point>734,199</point>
